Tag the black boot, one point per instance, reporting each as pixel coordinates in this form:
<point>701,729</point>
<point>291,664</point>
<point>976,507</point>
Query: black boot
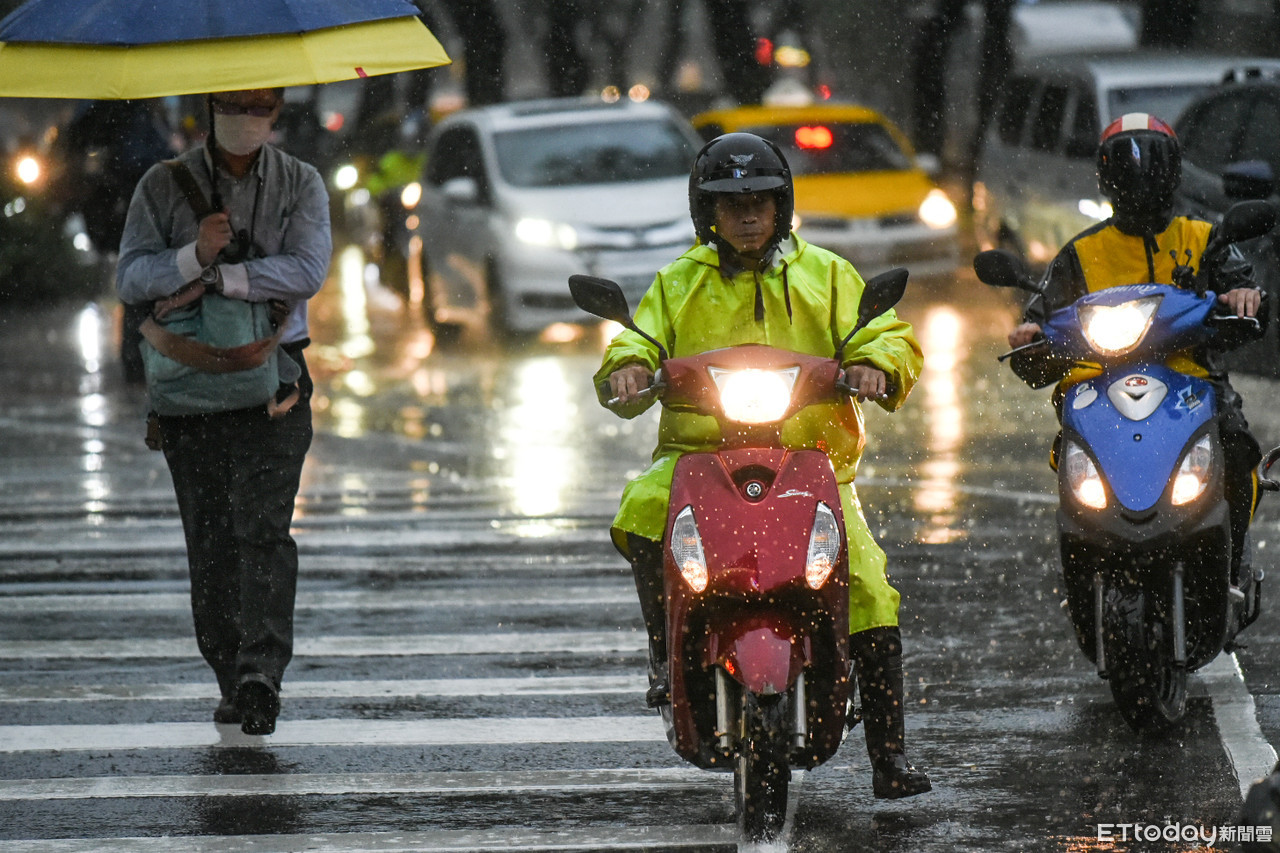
<point>877,657</point>
<point>646,567</point>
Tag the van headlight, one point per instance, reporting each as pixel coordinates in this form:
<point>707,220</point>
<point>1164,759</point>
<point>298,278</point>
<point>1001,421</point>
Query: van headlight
<point>1193,474</point>
<point>1084,483</point>
<point>686,550</point>
<point>937,211</point>
<point>547,234</point>
<point>1116,329</point>
<point>754,396</point>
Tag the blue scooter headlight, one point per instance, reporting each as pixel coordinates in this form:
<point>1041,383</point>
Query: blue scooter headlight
<point>1116,329</point>
<point>1193,474</point>
<point>1082,477</point>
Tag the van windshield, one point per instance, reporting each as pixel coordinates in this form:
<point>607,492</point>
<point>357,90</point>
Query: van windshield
<point>604,153</point>
<point>820,149</point>
<point>1165,102</point>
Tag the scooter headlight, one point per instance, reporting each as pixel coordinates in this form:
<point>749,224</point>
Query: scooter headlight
<point>1116,329</point>
<point>824,547</point>
<point>1082,477</point>
<point>753,396</point>
<point>1193,474</point>
<point>686,550</point>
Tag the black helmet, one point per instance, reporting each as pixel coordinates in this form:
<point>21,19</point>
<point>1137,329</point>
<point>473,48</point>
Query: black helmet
<point>1139,167</point>
<point>739,163</point>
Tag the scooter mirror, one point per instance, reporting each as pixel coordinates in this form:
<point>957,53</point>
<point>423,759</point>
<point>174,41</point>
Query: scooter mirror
<point>1002,268</point>
<point>600,297</point>
<point>1245,220</point>
<point>603,298</point>
<point>881,293</point>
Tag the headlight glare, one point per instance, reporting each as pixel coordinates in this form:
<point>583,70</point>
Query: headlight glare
<point>686,550</point>
<point>752,396</point>
<point>547,234</point>
<point>937,211</point>
<point>1193,474</point>
<point>1116,329</point>
<point>824,547</point>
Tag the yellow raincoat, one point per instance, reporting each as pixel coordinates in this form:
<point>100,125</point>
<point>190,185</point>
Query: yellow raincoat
<point>810,300</point>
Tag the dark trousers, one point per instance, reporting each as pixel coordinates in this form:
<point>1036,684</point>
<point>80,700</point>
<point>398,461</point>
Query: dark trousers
<point>236,475</point>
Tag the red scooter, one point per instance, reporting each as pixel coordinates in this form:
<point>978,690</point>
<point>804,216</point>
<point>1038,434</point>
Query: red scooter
<point>756,564</point>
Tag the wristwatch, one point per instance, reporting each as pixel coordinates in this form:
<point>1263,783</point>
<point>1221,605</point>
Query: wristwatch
<point>211,278</point>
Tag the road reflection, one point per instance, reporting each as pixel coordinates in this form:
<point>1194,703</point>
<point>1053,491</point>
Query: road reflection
<point>942,339</point>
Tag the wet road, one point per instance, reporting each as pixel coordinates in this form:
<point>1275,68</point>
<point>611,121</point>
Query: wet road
<point>468,670</point>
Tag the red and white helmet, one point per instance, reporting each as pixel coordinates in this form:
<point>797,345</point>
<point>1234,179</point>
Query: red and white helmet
<point>1139,165</point>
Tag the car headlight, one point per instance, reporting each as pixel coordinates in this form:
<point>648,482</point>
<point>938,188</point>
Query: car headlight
<point>937,211</point>
<point>686,550</point>
<point>411,195</point>
<point>547,234</point>
<point>753,396</point>
<point>27,169</point>
<point>345,177</point>
<point>1193,474</point>
<point>824,547</point>
<point>1116,329</point>
<point>1082,477</point>
<point>1094,209</point>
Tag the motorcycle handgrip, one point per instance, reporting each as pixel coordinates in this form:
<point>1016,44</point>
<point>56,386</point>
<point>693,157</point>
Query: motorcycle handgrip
<point>1040,341</point>
<point>653,390</point>
<point>1251,323</point>
<point>845,388</point>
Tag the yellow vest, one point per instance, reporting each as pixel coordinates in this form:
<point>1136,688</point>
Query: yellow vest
<point>1110,258</point>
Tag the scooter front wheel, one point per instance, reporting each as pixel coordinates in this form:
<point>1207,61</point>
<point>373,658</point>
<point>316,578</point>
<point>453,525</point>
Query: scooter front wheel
<point>761,769</point>
<point>1149,687</point>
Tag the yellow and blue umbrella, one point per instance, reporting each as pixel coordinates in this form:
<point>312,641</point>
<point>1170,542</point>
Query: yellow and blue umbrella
<point>124,49</point>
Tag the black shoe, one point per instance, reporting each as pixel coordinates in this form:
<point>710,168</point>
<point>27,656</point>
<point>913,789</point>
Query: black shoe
<point>226,712</point>
<point>659,692</point>
<point>259,705</point>
<point>894,778</point>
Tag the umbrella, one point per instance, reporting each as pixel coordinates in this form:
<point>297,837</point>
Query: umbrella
<point>124,49</point>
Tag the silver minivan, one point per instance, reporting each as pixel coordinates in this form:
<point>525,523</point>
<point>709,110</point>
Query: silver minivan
<point>1035,182</point>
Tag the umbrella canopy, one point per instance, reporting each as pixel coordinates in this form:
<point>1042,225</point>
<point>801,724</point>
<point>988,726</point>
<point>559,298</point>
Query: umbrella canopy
<point>111,49</point>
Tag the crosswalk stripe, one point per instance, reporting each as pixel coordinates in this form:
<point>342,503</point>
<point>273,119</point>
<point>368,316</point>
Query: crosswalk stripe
<point>506,596</point>
<point>600,839</point>
<point>526,686</point>
<point>559,642</point>
<point>337,784</point>
<point>419,732</point>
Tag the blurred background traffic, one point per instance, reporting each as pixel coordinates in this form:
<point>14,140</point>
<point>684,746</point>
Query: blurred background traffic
<point>559,141</point>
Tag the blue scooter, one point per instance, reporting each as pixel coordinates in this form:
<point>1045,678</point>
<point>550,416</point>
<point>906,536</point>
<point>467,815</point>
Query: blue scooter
<point>1143,518</point>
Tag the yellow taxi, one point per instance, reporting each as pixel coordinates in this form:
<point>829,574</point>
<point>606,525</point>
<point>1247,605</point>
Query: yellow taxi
<point>860,191</point>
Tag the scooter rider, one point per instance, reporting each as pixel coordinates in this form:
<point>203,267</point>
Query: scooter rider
<point>750,280</point>
<point>1139,168</point>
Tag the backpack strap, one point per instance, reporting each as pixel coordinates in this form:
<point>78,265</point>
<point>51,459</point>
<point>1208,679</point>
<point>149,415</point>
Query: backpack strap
<point>187,183</point>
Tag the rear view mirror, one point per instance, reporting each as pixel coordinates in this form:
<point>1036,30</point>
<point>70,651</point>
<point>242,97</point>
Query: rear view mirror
<point>881,293</point>
<point>603,298</point>
<point>1245,220</point>
<point>600,297</point>
<point>1002,268</point>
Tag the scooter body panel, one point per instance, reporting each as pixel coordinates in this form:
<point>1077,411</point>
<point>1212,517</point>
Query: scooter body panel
<point>757,618</point>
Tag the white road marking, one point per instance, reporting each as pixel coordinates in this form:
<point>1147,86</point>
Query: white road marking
<point>577,685</point>
<point>337,784</point>
<point>421,732</point>
<point>1251,756</point>
<point>542,642</point>
<point>508,839</point>
<point>505,596</point>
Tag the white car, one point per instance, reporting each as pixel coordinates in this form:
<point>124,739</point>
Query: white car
<point>1036,182</point>
<point>516,197</point>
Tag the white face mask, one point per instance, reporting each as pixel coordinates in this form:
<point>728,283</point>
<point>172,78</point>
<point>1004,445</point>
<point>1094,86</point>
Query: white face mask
<point>242,135</point>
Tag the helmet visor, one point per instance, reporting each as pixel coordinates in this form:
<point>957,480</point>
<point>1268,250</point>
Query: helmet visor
<point>1141,168</point>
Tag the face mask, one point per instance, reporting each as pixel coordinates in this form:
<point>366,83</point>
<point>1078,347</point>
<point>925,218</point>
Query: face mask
<point>242,135</point>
